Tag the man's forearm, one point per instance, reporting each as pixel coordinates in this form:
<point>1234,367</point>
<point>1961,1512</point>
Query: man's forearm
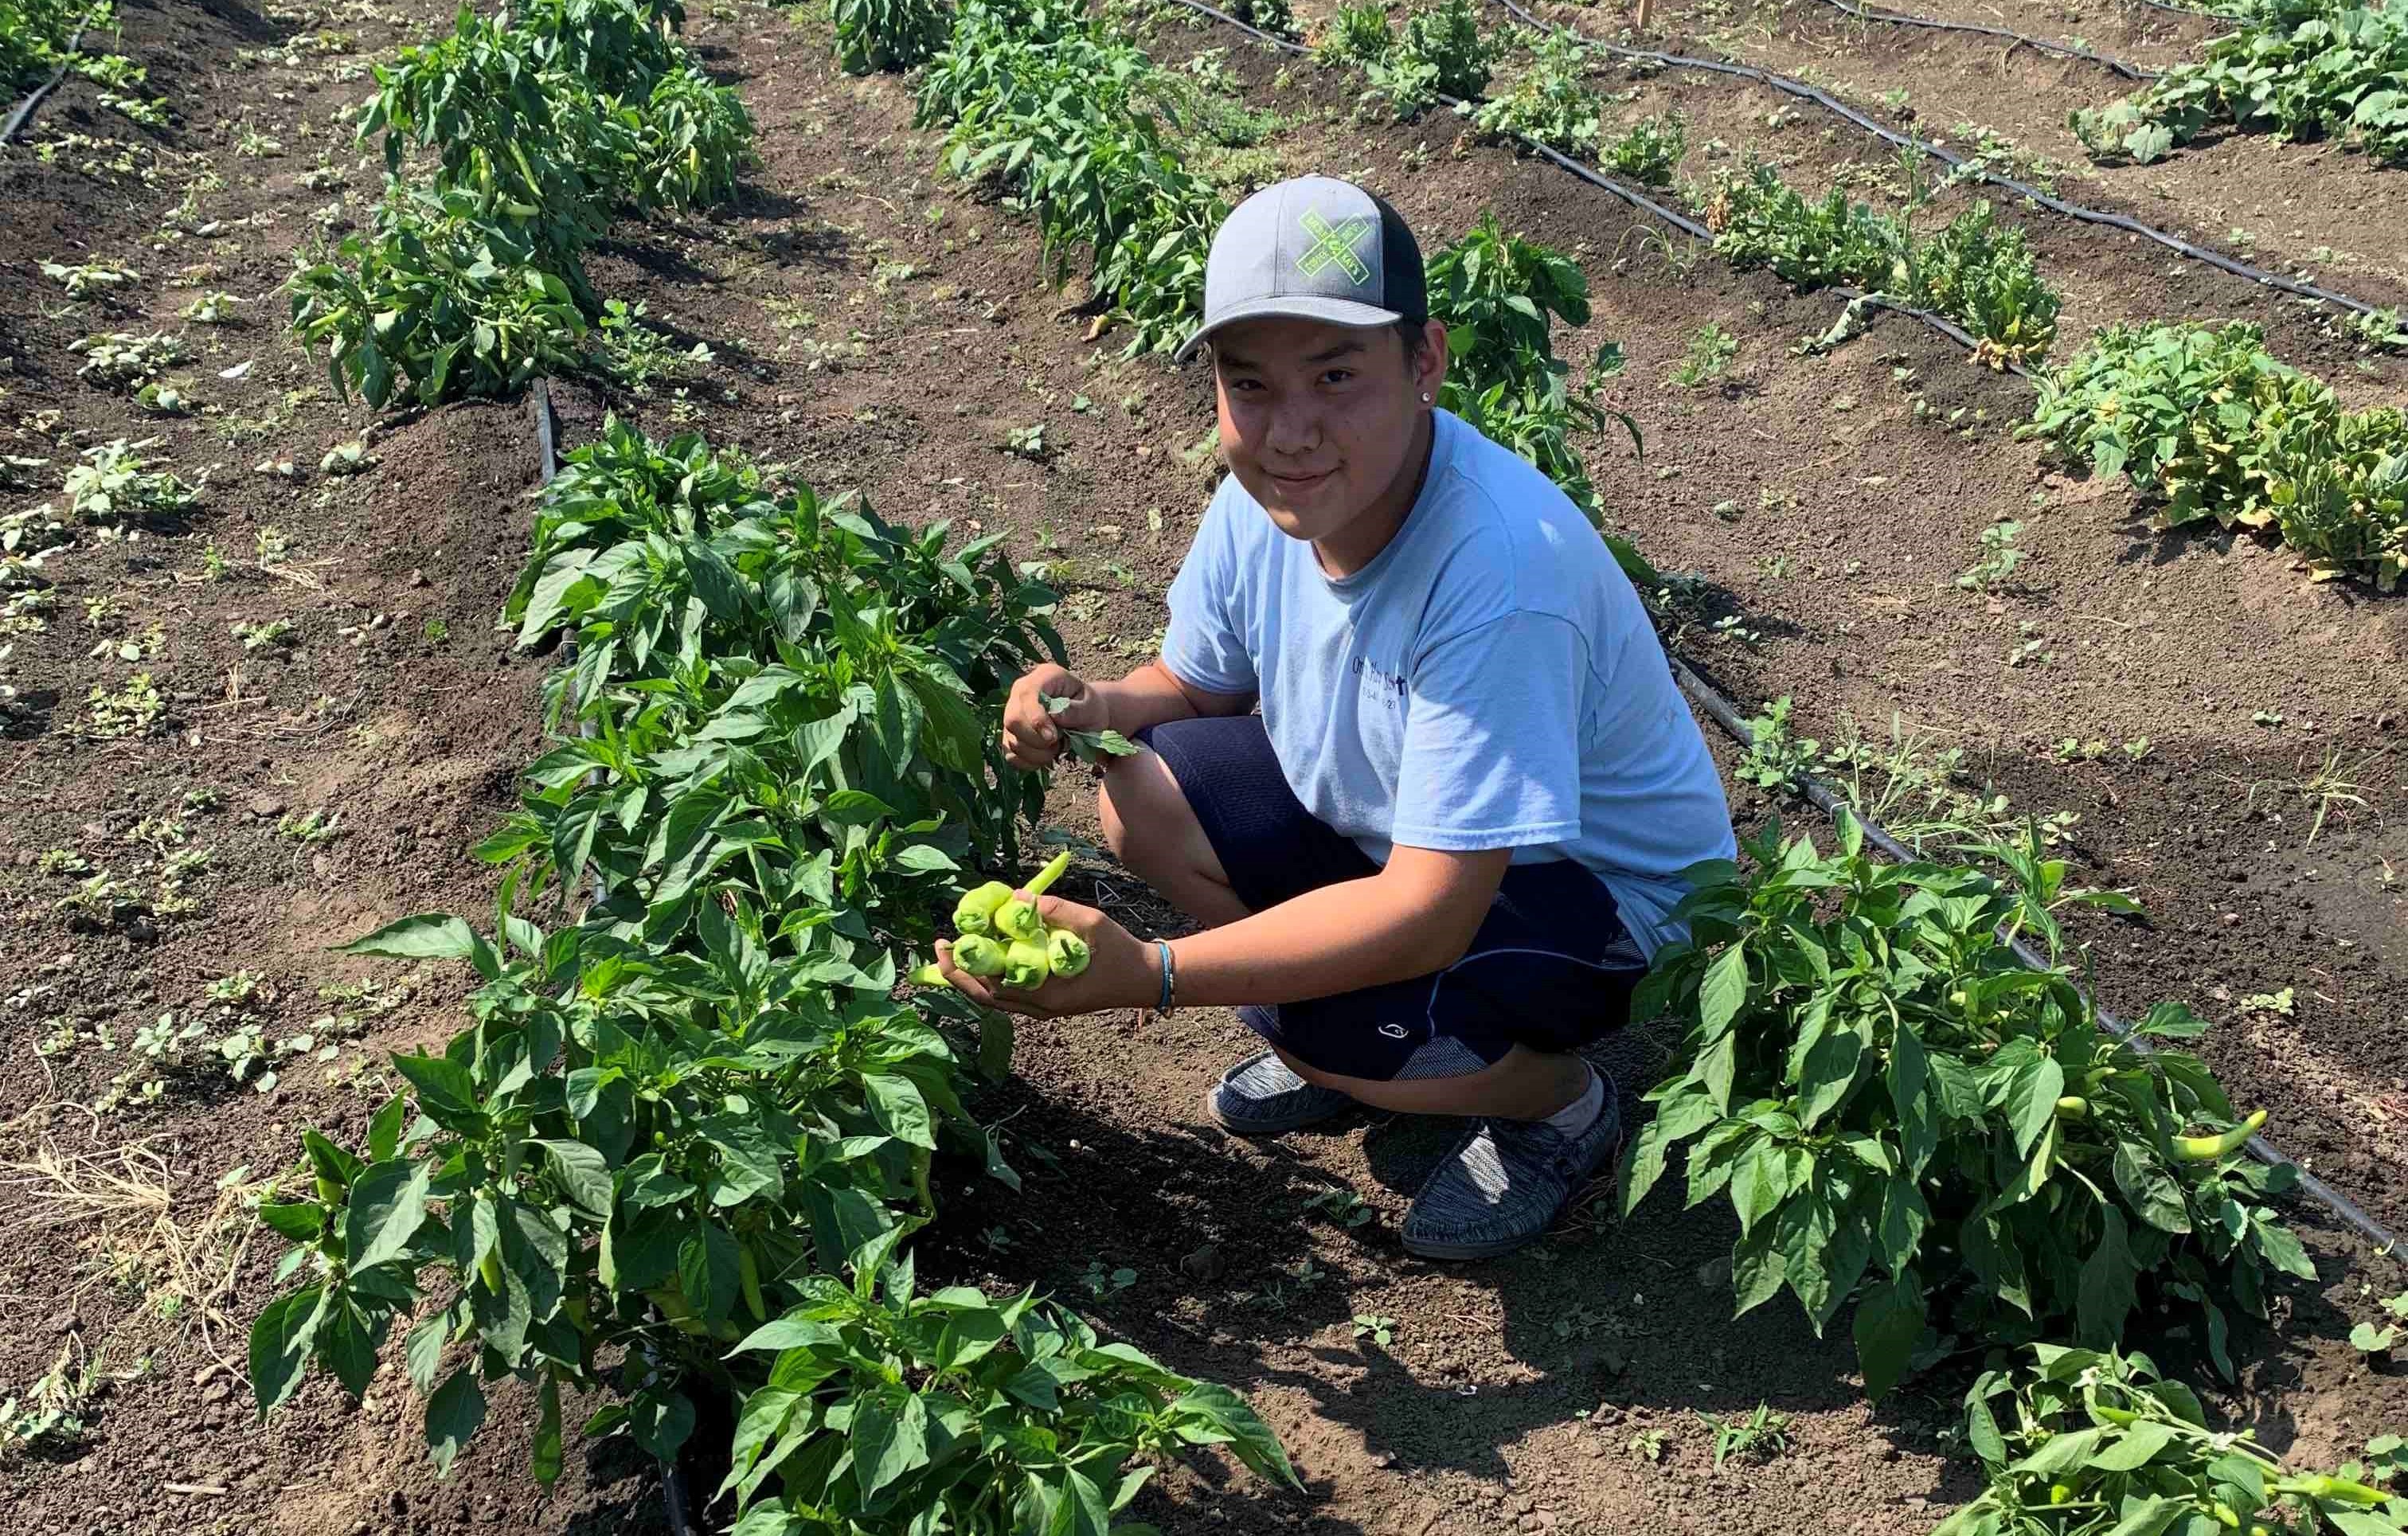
<point>1150,697</point>
<point>1339,938</point>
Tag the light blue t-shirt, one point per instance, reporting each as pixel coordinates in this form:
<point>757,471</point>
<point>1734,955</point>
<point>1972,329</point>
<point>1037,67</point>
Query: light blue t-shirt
<point>1488,680</point>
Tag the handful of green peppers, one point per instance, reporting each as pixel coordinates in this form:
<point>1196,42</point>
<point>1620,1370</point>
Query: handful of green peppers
<point>1002,936</point>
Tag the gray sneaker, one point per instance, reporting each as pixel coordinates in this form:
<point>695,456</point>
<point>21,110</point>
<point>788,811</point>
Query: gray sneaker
<point>1507,1182</point>
<point>1260,1097</point>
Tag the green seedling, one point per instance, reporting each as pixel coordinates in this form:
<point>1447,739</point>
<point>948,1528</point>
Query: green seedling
<point>1343,1206</point>
<point>1759,1436</point>
<point>1100,1284</point>
<point>1998,560</point>
<point>89,280</point>
<point>1380,1330</point>
<point>1708,358</point>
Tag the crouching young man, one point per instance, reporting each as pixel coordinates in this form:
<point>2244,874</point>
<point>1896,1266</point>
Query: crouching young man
<point>1433,866</point>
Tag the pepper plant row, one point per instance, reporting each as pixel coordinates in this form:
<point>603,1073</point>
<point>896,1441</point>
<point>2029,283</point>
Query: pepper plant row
<point>680,1150</point>
<point>2335,69</point>
<point>531,132</point>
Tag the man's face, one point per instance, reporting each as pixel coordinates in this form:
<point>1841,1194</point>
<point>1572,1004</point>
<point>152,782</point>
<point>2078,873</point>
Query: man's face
<point>1317,419</point>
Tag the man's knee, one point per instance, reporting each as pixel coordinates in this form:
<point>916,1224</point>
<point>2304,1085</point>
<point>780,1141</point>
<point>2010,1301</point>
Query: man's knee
<point>1135,804</point>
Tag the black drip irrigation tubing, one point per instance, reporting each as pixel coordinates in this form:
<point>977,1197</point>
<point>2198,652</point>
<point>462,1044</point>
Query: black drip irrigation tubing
<point>24,112</point>
<point>1823,99</point>
<point>674,1501</point>
<point>1721,711</point>
<point>1639,200</point>
<point>2039,45</point>
<point>1820,795</point>
<point>2199,11</point>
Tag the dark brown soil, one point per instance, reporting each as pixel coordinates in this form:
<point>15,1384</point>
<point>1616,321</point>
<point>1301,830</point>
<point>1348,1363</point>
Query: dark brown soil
<point>878,328</point>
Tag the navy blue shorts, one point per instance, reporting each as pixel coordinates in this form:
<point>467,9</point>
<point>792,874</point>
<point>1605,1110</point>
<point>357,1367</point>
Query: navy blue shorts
<point>1552,967</point>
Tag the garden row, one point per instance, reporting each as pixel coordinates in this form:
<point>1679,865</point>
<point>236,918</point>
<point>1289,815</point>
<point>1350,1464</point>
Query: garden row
<point>2299,69</point>
<point>2204,422</point>
<point>679,1126</point>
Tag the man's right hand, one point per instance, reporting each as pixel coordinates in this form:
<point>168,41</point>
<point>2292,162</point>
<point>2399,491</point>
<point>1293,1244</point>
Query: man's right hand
<point>1031,737</point>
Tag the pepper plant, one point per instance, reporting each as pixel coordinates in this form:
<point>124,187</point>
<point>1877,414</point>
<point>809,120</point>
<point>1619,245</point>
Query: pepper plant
<point>1500,296</point>
<point>1901,1113</point>
<point>2091,1442</point>
<point>888,1410</point>
<point>630,1149</point>
<point>434,303</point>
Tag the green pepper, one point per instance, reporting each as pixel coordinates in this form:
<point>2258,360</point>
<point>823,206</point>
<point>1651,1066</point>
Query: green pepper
<point>1065,952</point>
<point>974,914</point>
<point>1025,966</point>
<point>489,1268</point>
<point>2074,1107</point>
<point>972,956</point>
<point>2338,1490</point>
<point>2209,1149</point>
<point>1018,919</point>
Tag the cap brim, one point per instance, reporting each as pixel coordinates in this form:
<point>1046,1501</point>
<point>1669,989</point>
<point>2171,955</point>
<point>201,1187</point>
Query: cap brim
<point>1329,311</point>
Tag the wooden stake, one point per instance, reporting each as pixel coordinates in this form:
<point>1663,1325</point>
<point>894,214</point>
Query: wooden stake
<point>1646,14</point>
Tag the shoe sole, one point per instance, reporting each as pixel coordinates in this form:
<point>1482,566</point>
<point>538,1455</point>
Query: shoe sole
<point>1499,1247</point>
<point>1264,1127</point>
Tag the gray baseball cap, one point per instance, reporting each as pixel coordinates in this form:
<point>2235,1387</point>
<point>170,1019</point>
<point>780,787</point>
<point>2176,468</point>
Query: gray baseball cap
<point>1314,248</point>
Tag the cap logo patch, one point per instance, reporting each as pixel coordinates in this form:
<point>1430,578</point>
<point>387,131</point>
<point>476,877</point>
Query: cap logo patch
<point>1335,245</point>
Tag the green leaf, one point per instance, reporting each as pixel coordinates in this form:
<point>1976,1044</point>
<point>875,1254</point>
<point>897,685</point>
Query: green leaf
<point>895,1103</point>
<point>388,1204</point>
<point>2031,1101</point>
<point>1757,1269</point>
<point>280,1345</point>
<point>2277,1246</point>
<point>2155,1197</point>
<point>422,1350</point>
<point>1829,1071</point>
<point>584,1174</point>
<point>2058,1454</point>
<point>890,1437</point>
<point>2131,1450</point>
<point>452,1416</point>
<point>1723,990</point>
<point>343,1343</point>
<point>1889,1323</point>
<point>1235,1424</point>
<point>445,1093</point>
<point>428,936</point>
<point>1759,1181</point>
<point>544,1455</point>
<point>2107,1292</point>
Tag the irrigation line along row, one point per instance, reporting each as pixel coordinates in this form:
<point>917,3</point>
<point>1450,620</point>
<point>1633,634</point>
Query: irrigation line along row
<point>546,450</point>
<point>1975,170</point>
<point>24,111</point>
<point>2129,71</point>
<point>1639,200</point>
<point>1821,795</point>
<point>1720,709</point>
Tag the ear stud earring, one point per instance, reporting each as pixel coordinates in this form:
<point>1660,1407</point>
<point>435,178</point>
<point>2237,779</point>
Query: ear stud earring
<point>1425,399</point>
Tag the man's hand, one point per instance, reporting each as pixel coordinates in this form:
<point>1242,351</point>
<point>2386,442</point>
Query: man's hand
<point>1122,970</point>
<point>1032,739</point>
